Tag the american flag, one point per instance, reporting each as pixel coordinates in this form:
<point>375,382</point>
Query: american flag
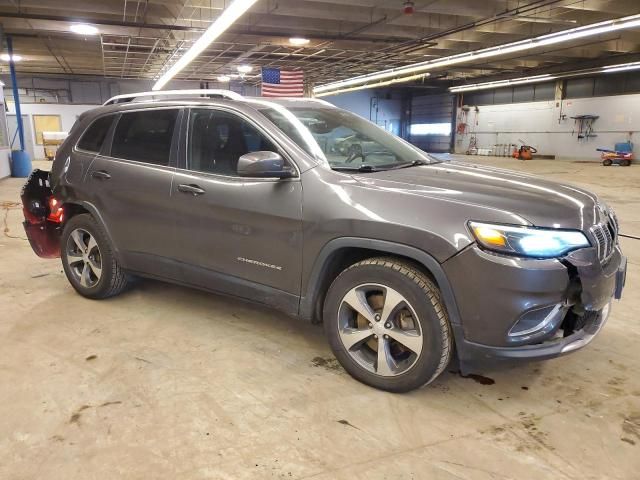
<point>282,83</point>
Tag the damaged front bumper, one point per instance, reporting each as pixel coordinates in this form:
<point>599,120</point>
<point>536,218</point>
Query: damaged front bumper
<point>42,215</point>
<point>517,308</point>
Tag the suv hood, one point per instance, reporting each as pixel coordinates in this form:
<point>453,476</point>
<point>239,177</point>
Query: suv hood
<point>536,201</point>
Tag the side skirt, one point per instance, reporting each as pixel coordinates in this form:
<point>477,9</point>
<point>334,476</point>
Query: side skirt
<point>208,280</point>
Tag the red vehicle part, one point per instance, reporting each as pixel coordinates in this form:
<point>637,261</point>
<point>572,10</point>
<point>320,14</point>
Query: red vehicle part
<point>610,157</point>
<point>43,215</point>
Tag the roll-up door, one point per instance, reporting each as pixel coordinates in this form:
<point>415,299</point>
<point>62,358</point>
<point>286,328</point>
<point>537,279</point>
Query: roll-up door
<point>431,122</point>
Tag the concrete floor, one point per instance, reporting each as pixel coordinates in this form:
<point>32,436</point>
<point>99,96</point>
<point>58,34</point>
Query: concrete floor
<point>166,382</point>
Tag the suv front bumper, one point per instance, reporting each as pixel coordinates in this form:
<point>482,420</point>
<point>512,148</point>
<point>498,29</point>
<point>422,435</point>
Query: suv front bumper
<point>551,348</point>
<point>494,293</point>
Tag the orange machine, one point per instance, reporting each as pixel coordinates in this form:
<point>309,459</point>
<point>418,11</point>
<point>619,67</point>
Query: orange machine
<point>525,152</point>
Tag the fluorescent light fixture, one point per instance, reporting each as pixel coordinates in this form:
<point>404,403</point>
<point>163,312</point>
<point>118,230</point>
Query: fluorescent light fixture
<point>244,68</point>
<point>541,41</point>
<point>298,41</point>
<point>6,58</point>
<point>623,67</point>
<point>217,28</point>
<point>526,18</point>
<point>83,29</point>
<point>502,83</point>
<point>430,129</point>
<point>374,85</point>
<point>223,78</point>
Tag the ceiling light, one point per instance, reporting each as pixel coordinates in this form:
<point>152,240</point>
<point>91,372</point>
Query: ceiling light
<point>217,28</point>
<point>83,29</point>
<point>298,41</point>
<point>5,57</point>
<point>224,78</point>
<point>244,68</point>
<point>502,83</point>
<point>376,85</point>
<point>543,40</point>
<point>621,68</point>
<point>526,18</point>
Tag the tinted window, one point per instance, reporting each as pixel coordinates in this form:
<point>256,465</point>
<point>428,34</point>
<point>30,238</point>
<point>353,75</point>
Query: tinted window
<point>218,139</point>
<point>94,136</point>
<point>145,136</point>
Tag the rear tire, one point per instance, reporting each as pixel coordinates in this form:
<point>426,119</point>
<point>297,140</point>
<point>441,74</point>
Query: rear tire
<point>398,308</point>
<point>607,162</point>
<point>88,259</point>
<point>625,162</point>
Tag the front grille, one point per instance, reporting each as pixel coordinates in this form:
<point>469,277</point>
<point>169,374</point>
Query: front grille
<point>605,234</point>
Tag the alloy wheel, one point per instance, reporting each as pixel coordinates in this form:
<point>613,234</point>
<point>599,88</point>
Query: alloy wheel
<point>83,258</point>
<point>380,329</point>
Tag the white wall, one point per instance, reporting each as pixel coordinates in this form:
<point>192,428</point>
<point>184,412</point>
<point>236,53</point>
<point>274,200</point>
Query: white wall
<point>68,115</point>
<point>537,124</point>
<point>5,155</point>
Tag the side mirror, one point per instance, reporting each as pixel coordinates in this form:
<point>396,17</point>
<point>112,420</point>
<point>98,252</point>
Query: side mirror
<point>263,165</point>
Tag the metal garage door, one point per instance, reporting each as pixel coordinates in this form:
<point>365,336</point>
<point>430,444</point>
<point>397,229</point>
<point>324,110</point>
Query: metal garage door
<point>430,127</point>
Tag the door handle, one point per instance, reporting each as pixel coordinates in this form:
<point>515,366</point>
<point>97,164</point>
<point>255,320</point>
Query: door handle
<point>100,175</point>
<point>192,189</point>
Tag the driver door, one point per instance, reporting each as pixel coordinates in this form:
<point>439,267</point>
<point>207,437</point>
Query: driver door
<point>236,235</point>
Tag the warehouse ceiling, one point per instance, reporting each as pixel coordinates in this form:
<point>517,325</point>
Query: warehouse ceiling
<point>137,38</point>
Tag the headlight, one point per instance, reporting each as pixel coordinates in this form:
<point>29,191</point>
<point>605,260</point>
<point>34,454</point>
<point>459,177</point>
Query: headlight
<point>528,241</point>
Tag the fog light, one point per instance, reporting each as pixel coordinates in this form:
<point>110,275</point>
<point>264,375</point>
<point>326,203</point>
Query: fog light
<point>537,322</point>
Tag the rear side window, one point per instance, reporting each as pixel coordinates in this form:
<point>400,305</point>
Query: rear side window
<point>145,136</point>
<point>94,136</point>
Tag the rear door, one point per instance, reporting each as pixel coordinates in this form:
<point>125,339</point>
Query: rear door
<point>129,184</point>
<point>237,235</point>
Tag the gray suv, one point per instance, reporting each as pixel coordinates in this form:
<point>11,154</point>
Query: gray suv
<point>404,258</point>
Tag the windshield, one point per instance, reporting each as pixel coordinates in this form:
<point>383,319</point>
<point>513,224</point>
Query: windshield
<point>347,140</point>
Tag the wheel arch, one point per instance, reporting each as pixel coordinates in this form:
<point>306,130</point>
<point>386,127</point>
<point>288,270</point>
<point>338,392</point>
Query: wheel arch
<point>73,208</point>
<point>342,252</point>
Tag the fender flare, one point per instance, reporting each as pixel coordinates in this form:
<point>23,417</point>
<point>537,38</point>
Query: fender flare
<point>93,211</point>
<point>308,302</point>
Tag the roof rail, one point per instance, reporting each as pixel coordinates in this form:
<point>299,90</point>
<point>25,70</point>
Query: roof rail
<point>128,97</point>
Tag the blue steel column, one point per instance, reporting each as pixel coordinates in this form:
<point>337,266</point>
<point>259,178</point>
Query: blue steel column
<point>16,95</point>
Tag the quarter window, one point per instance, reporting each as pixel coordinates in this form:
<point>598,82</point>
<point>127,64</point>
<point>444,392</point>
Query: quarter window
<point>94,136</point>
<point>218,139</point>
<point>145,136</point>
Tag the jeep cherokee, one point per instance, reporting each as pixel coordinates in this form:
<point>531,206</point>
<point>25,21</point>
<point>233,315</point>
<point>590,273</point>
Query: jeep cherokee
<point>402,256</point>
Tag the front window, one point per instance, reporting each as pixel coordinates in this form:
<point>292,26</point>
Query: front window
<point>218,139</point>
<point>348,141</point>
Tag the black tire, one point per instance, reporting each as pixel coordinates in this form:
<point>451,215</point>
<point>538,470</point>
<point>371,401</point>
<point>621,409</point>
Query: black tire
<point>425,300</point>
<point>607,162</point>
<point>625,162</point>
<point>112,279</point>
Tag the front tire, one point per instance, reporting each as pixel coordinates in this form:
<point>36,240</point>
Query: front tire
<point>387,325</point>
<point>88,259</point>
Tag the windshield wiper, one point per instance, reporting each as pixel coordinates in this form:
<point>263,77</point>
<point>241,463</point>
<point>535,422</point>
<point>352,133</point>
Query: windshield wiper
<point>381,168</point>
<point>360,169</point>
<point>413,163</point>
